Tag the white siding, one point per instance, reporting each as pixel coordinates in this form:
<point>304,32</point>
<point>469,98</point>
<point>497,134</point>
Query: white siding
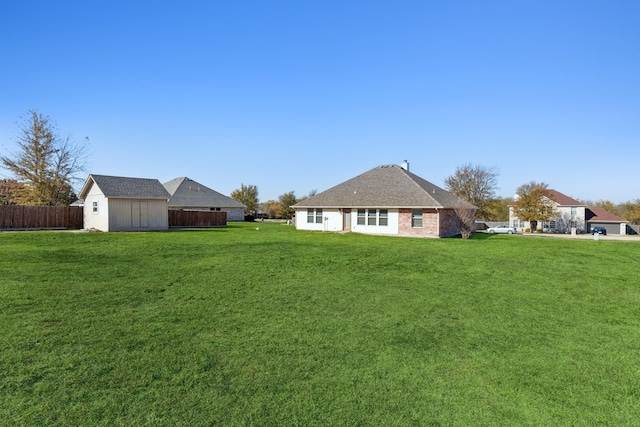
<point>138,215</point>
<point>564,212</point>
<point>391,228</point>
<point>333,221</point>
<point>98,220</point>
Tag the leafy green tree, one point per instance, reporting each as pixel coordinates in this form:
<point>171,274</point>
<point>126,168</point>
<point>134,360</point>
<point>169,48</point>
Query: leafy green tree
<point>497,209</point>
<point>474,183</point>
<point>532,204</point>
<point>630,211</point>
<point>608,206</point>
<point>9,190</point>
<point>248,195</point>
<point>46,165</point>
<point>271,208</point>
<point>285,201</point>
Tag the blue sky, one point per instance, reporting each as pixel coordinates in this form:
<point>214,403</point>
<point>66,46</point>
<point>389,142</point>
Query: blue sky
<point>302,95</point>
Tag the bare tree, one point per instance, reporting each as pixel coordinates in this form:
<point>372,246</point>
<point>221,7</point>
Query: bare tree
<point>466,216</point>
<point>565,222</point>
<point>474,183</point>
<point>46,165</point>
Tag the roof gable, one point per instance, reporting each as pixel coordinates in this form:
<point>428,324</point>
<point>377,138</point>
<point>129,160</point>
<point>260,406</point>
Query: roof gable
<point>125,188</point>
<point>388,186</point>
<point>185,192</point>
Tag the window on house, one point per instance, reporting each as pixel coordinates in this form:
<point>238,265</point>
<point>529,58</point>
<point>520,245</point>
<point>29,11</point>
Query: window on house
<point>416,218</point>
<point>371,217</point>
<point>314,215</point>
<point>552,225</point>
<point>383,218</point>
<point>95,206</point>
<point>361,217</point>
<point>574,210</point>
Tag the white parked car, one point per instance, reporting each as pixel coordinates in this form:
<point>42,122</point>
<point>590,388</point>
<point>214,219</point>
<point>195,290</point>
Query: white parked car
<point>504,229</point>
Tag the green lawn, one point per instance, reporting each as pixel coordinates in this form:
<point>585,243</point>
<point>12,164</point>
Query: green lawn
<point>238,326</point>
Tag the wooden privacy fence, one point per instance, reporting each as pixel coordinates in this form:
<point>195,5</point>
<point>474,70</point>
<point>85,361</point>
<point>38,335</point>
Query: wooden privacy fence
<point>182,218</point>
<point>40,217</point>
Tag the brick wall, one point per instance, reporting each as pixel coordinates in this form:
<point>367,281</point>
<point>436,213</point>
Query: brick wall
<point>435,223</point>
<point>429,223</point>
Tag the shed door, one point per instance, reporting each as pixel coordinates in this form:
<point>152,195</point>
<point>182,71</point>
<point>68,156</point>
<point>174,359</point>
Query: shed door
<point>139,215</point>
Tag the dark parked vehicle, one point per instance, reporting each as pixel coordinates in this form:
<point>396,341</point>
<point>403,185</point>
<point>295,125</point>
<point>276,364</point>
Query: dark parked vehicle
<point>599,230</point>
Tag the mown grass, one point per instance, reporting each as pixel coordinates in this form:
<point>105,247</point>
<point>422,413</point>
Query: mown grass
<point>275,326</point>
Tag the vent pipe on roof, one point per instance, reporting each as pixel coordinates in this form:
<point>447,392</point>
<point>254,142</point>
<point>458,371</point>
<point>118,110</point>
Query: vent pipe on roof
<point>405,165</point>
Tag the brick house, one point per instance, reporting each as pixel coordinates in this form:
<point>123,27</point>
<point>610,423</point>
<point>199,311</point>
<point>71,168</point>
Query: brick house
<point>188,194</point>
<point>387,200</point>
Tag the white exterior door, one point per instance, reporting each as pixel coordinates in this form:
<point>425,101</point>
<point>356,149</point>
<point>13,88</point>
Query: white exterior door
<point>347,219</point>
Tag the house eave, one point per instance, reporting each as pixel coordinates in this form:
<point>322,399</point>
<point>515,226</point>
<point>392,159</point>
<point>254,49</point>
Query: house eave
<point>370,206</point>
<point>136,198</point>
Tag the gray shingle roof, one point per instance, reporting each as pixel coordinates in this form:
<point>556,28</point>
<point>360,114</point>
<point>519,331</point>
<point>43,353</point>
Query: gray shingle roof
<point>187,193</point>
<point>126,188</point>
<point>387,186</point>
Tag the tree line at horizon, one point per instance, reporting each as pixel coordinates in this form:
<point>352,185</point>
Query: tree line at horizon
<point>478,184</point>
<point>47,166</point>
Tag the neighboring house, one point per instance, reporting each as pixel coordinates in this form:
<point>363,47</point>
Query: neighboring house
<point>188,194</point>
<point>385,200</point>
<point>569,214</point>
<point>113,203</point>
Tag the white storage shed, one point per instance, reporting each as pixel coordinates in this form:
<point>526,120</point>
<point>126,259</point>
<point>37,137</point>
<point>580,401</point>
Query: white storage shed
<point>113,203</point>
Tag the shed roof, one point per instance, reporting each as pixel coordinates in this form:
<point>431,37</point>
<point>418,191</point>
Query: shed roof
<point>186,192</point>
<point>126,188</point>
<point>386,186</point>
